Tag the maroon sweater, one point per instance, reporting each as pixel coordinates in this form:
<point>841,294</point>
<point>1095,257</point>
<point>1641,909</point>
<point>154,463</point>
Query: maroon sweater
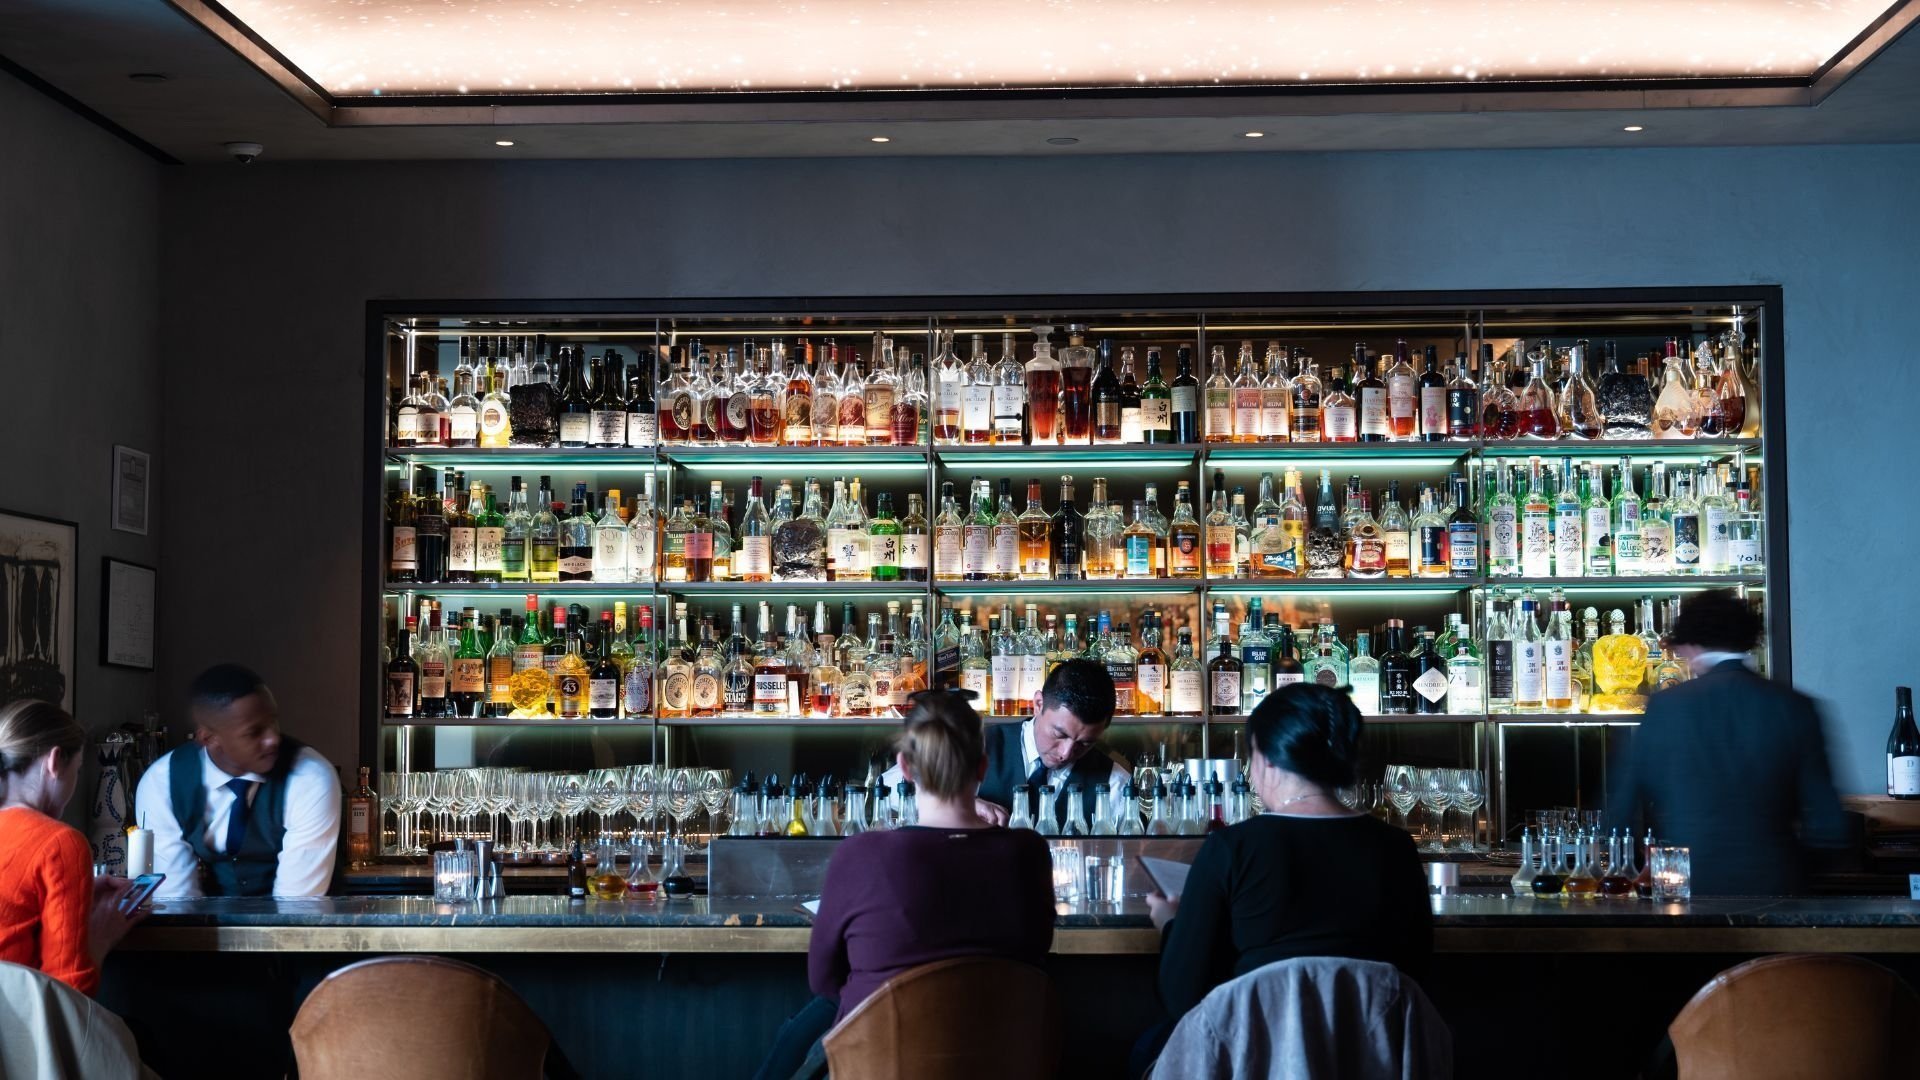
<point>901,898</point>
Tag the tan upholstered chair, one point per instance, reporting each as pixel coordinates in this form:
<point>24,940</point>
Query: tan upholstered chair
<point>953,1020</point>
<point>420,1017</point>
<point>1782,1017</point>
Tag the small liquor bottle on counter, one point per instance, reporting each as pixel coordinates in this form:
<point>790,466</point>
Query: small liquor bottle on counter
<point>576,872</point>
<point>363,816</point>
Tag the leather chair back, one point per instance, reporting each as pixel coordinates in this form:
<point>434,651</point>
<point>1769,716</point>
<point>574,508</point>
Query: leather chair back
<point>1781,1017</point>
<point>420,1017</point>
<point>952,1020</point>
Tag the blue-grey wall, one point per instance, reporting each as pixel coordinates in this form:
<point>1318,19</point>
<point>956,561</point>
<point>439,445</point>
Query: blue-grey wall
<point>79,285</point>
<point>267,269</point>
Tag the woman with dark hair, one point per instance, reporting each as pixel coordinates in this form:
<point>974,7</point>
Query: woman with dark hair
<point>953,885</point>
<point>1308,877</point>
<point>53,915</point>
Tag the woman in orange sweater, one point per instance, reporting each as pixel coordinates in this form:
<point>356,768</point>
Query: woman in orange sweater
<point>53,915</point>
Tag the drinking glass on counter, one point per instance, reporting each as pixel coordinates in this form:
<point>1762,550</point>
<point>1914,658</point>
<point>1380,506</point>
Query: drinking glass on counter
<point>1434,788</point>
<point>714,791</point>
<point>452,877</point>
<point>642,799</point>
<point>1069,873</point>
<point>1469,794</point>
<point>1672,871</point>
<point>681,799</point>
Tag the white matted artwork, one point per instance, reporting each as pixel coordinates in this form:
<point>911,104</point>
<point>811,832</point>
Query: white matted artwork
<point>130,471</point>
<point>38,592</point>
<point>127,600</point>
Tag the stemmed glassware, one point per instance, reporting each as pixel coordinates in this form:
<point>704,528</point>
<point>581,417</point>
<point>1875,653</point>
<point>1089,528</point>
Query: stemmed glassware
<point>440,787</point>
<point>572,800</point>
<point>468,797</point>
<point>1434,790</point>
<point>607,795</point>
<point>546,798</point>
<point>713,798</point>
<point>681,799</point>
<point>1400,790</point>
<point>393,798</point>
<point>643,787</point>
<point>496,795</point>
<point>1468,795</point>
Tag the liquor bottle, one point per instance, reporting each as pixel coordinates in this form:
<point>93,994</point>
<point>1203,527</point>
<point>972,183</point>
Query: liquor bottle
<point>460,535</point>
<point>499,668</point>
<point>754,559</point>
<point>1624,399</point>
<point>976,397</point>
<point>1184,399</point>
<point>1219,534</point>
<point>1673,406</point>
<point>1339,420</point>
<point>909,415</point>
<point>1730,387</point>
<point>709,679</point>
<point>881,389</point>
<point>607,402</point>
<point>1629,549</point>
<point>1306,404</point>
<point>642,426</point>
<point>433,667</point>
<point>1156,403</point>
<point>429,529</point>
<point>1108,423</point>
<point>976,531</point>
<point>1429,684</point>
<point>948,538</point>
<point>363,821</point>
<point>1150,670</point>
<point>1326,549</point>
<point>1462,397</point>
<point>1466,686</point>
<point>576,405</point>
<point>1436,412</point>
<point>1396,672</point>
<point>1596,522</point>
<point>1404,394</point>
<point>637,684</point>
<point>823,420</point>
<point>1004,562</point>
<point>1224,680</point>
<point>435,419</point>
<point>851,421</point>
<point>766,381</point>
<point>1557,657</point>
<point>1035,537</point>
<point>1498,636</point>
<point>1040,399</point>
<point>1069,537</point>
<point>1579,404</point>
<point>403,553</point>
<point>1363,675</point>
<point>1430,534</point>
<point>1903,748</point>
<point>1276,397</point>
<point>1396,532</point>
<point>1536,408</point>
<point>1287,668</point>
<point>603,681</point>
<point>1370,395</point>
<point>884,541</point>
<point>1004,681</point>
<point>1685,517</point>
<point>1248,397</point>
<point>576,540</point>
<point>1529,659</point>
<point>915,548</point>
<point>1184,537</point>
<point>1219,397</point>
<point>463,410</point>
<point>1718,511</point>
<point>1463,534</point>
<point>467,679</point>
<point>543,537</point>
<point>949,391</point>
<point>1656,525</point>
<point>403,676</point>
<point>1503,530</point>
<point>1184,678</point>
<point>1256,659</point>
<point>1570,552</point>
<point>1076,388</point>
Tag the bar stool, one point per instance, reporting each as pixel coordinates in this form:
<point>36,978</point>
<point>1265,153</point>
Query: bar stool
<point>952,1020</point>
<point>1782,1017</point>
<point>420,1017</point>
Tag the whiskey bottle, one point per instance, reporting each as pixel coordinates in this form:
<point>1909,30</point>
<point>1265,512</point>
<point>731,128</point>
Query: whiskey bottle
<point>1403,396</point>
<point>948,537</point>
<point>914,540</point>
<point>403,676</point>
<point>1306,405</point>
<point>1370,397</point>
<point>430,529</point>
<point>1004,563</point>
<point>1105,393</point>
<point>363,821</point>
<point>1183,537</point>
<point>949,391</point>
<point>1069,537</point>
<point>1029,396</point>
<point>1035,537</point>
<point>1276,397</point>
<point>1247,397</point>
<point>575,405</point>
<point>1219,395</point>
<point>1132,425</point>
<point>1184,399</point>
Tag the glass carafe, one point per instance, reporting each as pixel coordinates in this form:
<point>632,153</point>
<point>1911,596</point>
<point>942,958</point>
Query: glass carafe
<point>1673,412</point>
<point>1550,877</point>
<point>1583,880</point>
<point>1522,882</point>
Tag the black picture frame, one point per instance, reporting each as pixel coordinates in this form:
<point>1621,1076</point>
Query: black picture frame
<point>111,650</point>
<point>31,546</point>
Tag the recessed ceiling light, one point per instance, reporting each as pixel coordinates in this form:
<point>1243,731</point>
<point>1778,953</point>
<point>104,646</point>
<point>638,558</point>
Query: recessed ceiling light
<point>1062,140</point>
<point>147,77</point>
<point>879,138</point>
<point>1633,127</point>
<point>1255,135</point>
<point>503,142</point>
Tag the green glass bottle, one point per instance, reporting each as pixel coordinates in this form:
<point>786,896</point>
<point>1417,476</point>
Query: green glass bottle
<point>469,679</point>
<point>884,533</point>
<point>1156,403</point>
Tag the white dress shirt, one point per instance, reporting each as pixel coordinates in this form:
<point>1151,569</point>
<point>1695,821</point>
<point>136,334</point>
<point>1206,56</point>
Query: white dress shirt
<point>1030,757</point>
<point>312,822</point>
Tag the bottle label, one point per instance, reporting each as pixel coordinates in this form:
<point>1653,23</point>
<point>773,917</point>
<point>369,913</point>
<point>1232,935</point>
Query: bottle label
<point>1529,683</point>
<point>946,551</point>
<point>576,567</point>
<point>1716,529</point>
<point>1124,684</point>
<point>1339,422</point>
<point>1500,669</point>
<point>1285,562</point>
<point>489,547</point>
<point>1219,411</point>
<point>913,551</point>
<point>1433,545</point>
<point>574,428</point>
<point>406,426</point>
<point>469,675</point>
<point>640,553</point>
<point>1246,411</point>
<point>433,680</point>
<point>676,695</point>
<point>975,679</point>
<point>1009,408</point>
<point>1536,544</point>
<point>706,691</point>
<point>1220,549</point>
<point>1464,692</point>
<point>460,549</point>
<point>609,427</point>
<point>770,691</point>
<point>1226,691</point>
<point>404,556</point>
<point>1183,692</point>
<point>609,553</point>
<point>1503,536</point>
<point>1185,401</point>
<point>1399,545</point>
<point>1156,414</point>
<point>1006,550</point>
<point>1006,677</point>
<point>1185,552</point>
<point>603,694</point>
<point>1559,670</point>
<point>1402,397</point>
<point>643,429</point>
<point>755,559</point>
<point>1569,544</point>
<point>1903,775</point>
<point>1288,678</point>
<point>1366,691</point>
<point>399,693</point>
<point>1433,410</point>
<point>1463,410</point>
<point>1463,549</point>
<point>976,406</point>
<point>1686,540</point>
<point>974,560</point>
<point>1033,674</point>
<point>500,679</point>
<point>1150,681</point>
<point>1743,553</point>
<point>796,417</point>
<point>639,691</point>
<point>1139,556</point>
<point>699,545</point>
<point>1373,411</point>
<point>493,418</point>
<point>463,425</point>
<point>1432,685</point>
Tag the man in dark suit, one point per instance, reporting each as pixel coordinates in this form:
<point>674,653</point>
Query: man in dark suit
<point>1730,764</point>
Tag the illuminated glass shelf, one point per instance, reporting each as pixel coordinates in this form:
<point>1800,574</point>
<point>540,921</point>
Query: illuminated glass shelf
<point>543,588</point>
<point>781,721</point>
<point>1297,453</point>
<point>1673,449</point>
<point>1156,586</point>
<point>742,457</point>
<point>514,722</point>
<point>1623,585</point>
<point>530,457</point>
<point>783,590</point>
<point>1132,456</point>
<point>1415,586</point>
<point>1530,719</point>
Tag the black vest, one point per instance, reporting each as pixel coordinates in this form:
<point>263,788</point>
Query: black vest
<point>249,871</point>
<point>1007,770</point>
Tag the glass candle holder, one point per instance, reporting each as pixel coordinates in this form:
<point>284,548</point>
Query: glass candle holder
<point>452,876</point>
<point>1672,871</point>
<point>1069,874</point>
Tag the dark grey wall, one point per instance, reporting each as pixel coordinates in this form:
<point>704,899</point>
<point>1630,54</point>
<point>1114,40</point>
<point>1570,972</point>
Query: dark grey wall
<point>79,284</point>
<point>267,269</point>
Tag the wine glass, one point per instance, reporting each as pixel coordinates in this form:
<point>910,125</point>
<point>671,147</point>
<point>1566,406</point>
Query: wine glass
<point>1434,790</point>
<point>546,799</point>
<point>1469,794</point>
<point>606,794</point>
<point>467,799</point>
<point>440,802</point>
<point>713,798</point>
<point>680,799</point>
<point>393,801</point>
<point>1400,790</point>
<point>497,796</point>
<point>643,787</point>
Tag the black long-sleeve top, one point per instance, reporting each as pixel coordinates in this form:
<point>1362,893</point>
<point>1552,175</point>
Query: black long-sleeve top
<point>1275,887</point>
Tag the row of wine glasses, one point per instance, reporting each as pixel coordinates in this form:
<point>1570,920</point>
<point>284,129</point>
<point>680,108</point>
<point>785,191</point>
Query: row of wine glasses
<point>1450,801</point>
<point>543,810</point>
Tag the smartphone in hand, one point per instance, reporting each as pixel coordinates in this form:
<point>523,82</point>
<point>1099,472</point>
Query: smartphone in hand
<point>143,887</point>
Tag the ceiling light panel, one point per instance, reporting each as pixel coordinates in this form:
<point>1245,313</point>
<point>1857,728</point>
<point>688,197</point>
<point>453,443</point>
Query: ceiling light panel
<point>370,48</point>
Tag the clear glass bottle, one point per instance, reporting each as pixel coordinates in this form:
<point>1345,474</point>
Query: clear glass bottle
<point>1276,397</point>
<point>1579,414</point>
<point>1185,680</point>
<point>1218,395</point>
<point>976,396</point>
<point>1656,525</point>
<point>1247,399</point>
<point>1396,532</point>
<point>1673,406</point>
<point>1685,518</point>
<point>1039,402</point>
<point>1363,675</point>
<point>1537,408</point>
<point>949,391</point>
<point>1306,400</point>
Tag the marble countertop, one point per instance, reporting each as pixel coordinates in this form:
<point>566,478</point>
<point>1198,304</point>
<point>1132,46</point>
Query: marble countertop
<point>1459,911</point>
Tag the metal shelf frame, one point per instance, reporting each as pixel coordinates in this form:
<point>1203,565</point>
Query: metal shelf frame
<point>393,328</point>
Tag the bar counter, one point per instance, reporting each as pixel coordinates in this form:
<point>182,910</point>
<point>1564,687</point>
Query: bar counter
<point>551,924</point>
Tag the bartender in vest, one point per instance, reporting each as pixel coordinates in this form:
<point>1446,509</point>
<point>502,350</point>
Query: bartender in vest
<point>1059,745</point>
<point>241,810</point>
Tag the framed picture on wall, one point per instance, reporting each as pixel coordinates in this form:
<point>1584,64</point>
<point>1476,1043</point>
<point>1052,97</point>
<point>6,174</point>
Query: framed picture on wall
<point>127,597</point>
<point>38,593</point>
<point>130,470</point>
